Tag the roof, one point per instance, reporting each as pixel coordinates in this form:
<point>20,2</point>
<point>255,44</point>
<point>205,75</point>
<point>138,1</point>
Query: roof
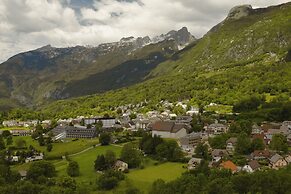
<point>168,126</point>
<point>288,159</point>
<point>275,158</point>
<point>218,152</point>
<point>232,140</point>
<point>119,163</point>
<point>229,165</point>
<point>254,164</point>
<point>194,160</point>
<point>261,153</point>
<point>23,173</point>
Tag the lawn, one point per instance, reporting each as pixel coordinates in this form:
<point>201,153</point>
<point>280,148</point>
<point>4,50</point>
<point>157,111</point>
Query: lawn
<point>61,149</point>
<point>13,128</point>
<point>143,178</point>
<point>138,178</point>
<point>86,163</point>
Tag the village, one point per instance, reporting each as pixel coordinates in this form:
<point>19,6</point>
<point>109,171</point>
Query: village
<point>218,141</point>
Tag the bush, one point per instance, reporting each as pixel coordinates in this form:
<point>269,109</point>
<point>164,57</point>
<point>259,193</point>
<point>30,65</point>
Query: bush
<point>109,179</point>
<point>73,169</point>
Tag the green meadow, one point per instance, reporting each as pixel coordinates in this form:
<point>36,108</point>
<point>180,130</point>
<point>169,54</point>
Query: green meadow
<point>141,179</point>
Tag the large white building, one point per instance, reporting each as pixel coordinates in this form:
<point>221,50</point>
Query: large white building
<point>169,129</point>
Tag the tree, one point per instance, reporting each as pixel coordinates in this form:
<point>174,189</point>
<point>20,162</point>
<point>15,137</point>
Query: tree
<point>119,111</point>
<point>201,151</point>
<point>243,144</point>
<point>73,169</point>
<point>105,138</point>
<point>131,155</point>
<point>257,144</point>
<point>82,123</point>
<point>110,158</point>
<point>109,179</point>
<point>9,140</point>
<point>41,141</point>
<point>242,126</point>
<point>148,143</point>
<point>132,116</point>
<point>100,163</point>
<point>49,147</point>
<point>67,182</point>
<point>279,143</point>
<point>2,143</point>
<point>218,141</point>
<point>41,169</point>
<point>20,143</point>
<point>196,123</point>
<point>169,150</point>
<point>6,133</point>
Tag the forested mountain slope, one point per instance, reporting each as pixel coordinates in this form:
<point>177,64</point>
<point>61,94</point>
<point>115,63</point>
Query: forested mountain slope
<point>246,54</point>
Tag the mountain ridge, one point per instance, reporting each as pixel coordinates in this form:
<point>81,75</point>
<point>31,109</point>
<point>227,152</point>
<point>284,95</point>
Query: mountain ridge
<point>44,73</point>
<point>243,57</point>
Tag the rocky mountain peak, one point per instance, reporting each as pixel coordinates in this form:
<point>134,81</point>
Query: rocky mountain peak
<point>46,48</point>
<point>182,37</point>
<point>239,12</point>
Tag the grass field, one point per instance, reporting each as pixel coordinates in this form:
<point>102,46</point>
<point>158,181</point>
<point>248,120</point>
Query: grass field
<point>12,128</point>
<point>138,178</point>
<point>61,149</point>
<point>143,178</point>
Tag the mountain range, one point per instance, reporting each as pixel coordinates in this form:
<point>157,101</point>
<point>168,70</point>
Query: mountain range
<point>50,73</point>
<point>246,54</point>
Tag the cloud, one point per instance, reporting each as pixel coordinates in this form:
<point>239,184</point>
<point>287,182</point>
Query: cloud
<point>29,24</point>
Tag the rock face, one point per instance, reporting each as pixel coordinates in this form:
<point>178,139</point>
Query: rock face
<point>239,12</point>
<point>182,37</point>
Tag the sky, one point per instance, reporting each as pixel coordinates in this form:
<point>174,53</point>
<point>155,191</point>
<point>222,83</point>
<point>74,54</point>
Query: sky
<point>30,24</point>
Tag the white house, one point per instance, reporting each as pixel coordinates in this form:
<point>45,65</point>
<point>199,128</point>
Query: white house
<point>252,166</point>
<point>120,166</point>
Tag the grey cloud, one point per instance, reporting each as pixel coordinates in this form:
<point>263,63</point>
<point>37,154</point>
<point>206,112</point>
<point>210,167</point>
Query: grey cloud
<point>28,24</point>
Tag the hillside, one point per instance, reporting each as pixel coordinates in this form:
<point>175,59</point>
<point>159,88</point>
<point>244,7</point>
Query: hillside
<point>48,73</point>
<point>246,54</point>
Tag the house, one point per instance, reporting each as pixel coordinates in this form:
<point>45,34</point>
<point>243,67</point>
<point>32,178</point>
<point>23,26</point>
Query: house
<point>169,129</point>
<point>20,132</point>
<point>230,144</point>
<point>216,128</point>
<point>34,158</point>
<point>11,123</point>
<point>218,154</point>
<point>260,154</point>
<point>107,122</point>
<point>277,161</point>
<point>193,162</point>
<point>141,123</point>
<point>89,121</point>
<point>189,141</point>
<point>256,129</point>
<point>23,174</point>
<point>120,166</point>
<point>267,126</point>
<point>193,111</point>
<point>229,165</point>
<point>14,159</point>
<point>183,119</point>
<point>288,159</point>
<point>252,166</point>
